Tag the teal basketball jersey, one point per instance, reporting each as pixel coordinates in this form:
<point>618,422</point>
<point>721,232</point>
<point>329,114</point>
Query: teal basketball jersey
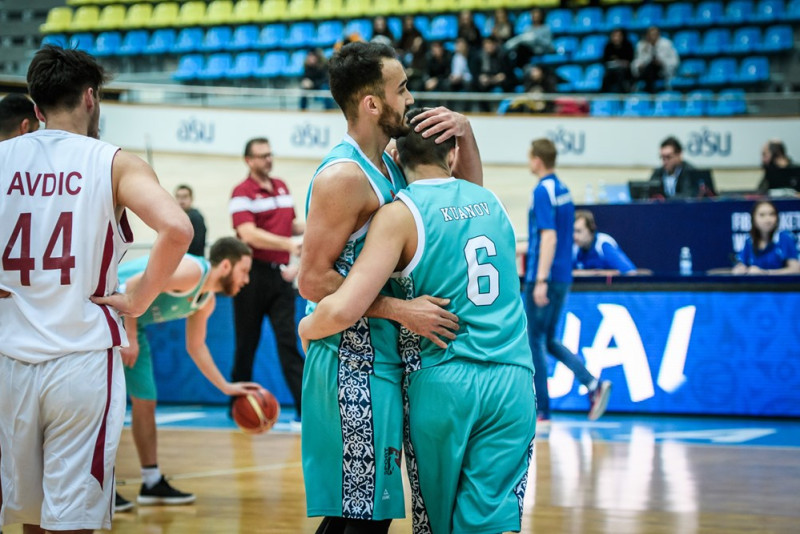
<point>360,340</point>
<point>466,252</point>
<point>168,306</point>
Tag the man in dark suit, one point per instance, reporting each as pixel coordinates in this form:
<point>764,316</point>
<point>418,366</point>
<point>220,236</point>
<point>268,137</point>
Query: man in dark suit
<point>674,178</point>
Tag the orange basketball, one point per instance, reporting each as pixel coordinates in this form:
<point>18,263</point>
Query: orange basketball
<point>256,412</point>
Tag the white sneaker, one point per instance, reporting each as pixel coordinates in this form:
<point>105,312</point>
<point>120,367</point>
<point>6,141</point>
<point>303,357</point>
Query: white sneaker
<point>599,399</point>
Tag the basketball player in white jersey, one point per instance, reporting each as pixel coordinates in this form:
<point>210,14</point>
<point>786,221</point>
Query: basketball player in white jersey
<point>62,392</point>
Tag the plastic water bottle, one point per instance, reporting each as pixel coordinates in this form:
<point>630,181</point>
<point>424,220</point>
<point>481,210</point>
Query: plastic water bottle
<point>602,194</point>
<point>588,196</point>
<point>685,265</point>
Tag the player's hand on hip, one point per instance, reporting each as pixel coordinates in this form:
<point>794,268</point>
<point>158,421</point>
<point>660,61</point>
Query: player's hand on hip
<point>427,317</point>
<point>441,122</point>
<point>122,302</point>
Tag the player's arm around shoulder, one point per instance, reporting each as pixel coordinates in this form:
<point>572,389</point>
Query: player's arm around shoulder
<point>136,186</point>
<point>341,201</point>
<point>196,330</point>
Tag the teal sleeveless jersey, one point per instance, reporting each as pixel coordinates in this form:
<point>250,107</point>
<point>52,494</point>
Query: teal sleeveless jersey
<point>466,252</point>
<point>378,333</point>
<point>168,306</point>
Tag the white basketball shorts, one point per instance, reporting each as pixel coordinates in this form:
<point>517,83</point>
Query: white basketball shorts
<point>60,424</point>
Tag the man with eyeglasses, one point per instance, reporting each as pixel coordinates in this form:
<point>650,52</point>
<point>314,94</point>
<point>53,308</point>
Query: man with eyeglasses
<point>263,216</point>
<point>674,177</point>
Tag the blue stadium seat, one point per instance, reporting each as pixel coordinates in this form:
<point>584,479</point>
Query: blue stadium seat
<point>244,66</point>
<point>188,40</point>
<point>591,48</point>
<point>768,10</point>
<point>82,41</point>
<point>295,67</point>
<point>57,39</point>
<point>648,15</point>
<point>571,74</point>
<point>588,20</point>
<point>729,102</point>
<point>216,39</point>
<point>134,43</point>
<point>678,15</point>
<point>708,13</point>
<point>592,79</point>
<point>721,71</point>
<point>619,17</point>
<point>362,27</point>
<point>523,22</point>
<point>637,105</point>
<point>217,67</point>
<point>273,66</point>
<point>188,67</point>
<point>668,104</point>
<point>244,37</point>
<point>605,107</point>
<point>272,36</point>
<point>746,40</point>
<point>300,35</point>
<point>485,24</point>
<point>715,42</point>
<point>395,26</point>
<point>753,69</point>
<point>697,103</point>
<point>443,28</point>
<point>328,33</point>
<point>559,20</point>
<point>161,42</point>
<point>778,39</point>
<point>564,48</point>
<point>738,12</point>
<point>792,11</point>
<point>107,44</point>
<point>686,43</point>
<point>423,24</point>
<point>689,73</point>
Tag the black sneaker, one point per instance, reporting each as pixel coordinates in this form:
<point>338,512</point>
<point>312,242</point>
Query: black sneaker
<point>599,399</point>
<point>121,504</point>
<point>163,493</point>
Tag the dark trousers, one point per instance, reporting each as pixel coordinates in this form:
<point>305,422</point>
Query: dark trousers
<point>651,74</point>
<point>542,324</point>
<point>267,294</point>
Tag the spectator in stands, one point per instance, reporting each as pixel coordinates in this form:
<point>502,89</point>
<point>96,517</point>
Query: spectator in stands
<point>438,68</point>
<point>410,33</point>
<point>185,196</point>
<point>415,62</point>
<point>502,30</point>
<point>537,39</point>
<point>672,179</point>
<point>381,32</point>
<point>17,116</point>
<point>315,75</point>
<point>537,82</point>
<point>767,250</point>
<point>656,60</point>
<point>617,58</point>
<point>495,73</point>
<point>773,156</point>
<point>468,30</point>
<point>460,72</point>
<point>595,253</point>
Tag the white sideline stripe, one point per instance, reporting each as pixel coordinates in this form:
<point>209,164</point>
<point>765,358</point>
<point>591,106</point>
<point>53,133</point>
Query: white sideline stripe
<point>218,473</point>
<point>165,419</point>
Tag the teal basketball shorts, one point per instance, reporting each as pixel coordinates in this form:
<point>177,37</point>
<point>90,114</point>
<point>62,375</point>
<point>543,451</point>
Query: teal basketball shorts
<point>352,438</point>
<point>140,380</point>
<point>471,427</point>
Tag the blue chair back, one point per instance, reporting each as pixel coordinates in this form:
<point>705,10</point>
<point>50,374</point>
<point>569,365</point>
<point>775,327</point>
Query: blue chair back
<point>619,17</point>
<point>272,36</point>
<point>588,20</point>
<point>188,40</point>
<point>107,44</point>
<point>778,39</point>
<point>444,28</point>
<point>328,33</point>
<point>216,38</point>
<point>162,41</point>
<point>244,66</point>
<point>189,67</point>
<point>244,37</point>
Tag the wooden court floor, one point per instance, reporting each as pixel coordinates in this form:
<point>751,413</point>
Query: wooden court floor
<point>578,484</point>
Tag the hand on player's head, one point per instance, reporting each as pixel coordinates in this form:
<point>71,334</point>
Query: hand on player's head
<point>442,122</point>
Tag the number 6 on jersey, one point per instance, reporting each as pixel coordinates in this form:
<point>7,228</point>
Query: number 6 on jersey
<point>476,271</point>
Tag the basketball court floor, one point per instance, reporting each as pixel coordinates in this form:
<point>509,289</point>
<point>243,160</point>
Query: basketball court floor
<point>622,474</point>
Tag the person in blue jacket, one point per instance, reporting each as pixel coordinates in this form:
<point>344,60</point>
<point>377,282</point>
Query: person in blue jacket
<point>595,253</point>
<point>767,250</point>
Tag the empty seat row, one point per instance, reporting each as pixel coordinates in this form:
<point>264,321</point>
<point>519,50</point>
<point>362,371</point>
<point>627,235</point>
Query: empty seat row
<point>669,104</point>
<point>241,66</point>
<point>746,40</point>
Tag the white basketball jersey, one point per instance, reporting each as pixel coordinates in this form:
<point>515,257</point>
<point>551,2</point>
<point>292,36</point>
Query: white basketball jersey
<point>60,244</point>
